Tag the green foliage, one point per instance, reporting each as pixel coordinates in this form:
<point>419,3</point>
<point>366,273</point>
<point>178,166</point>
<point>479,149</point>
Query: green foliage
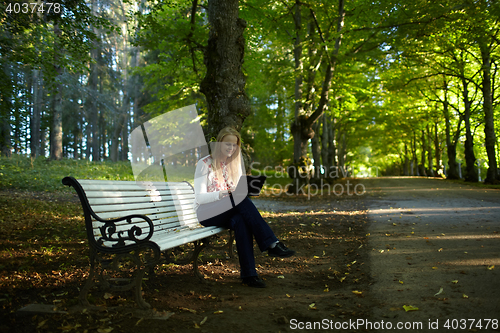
<point>23,173</point>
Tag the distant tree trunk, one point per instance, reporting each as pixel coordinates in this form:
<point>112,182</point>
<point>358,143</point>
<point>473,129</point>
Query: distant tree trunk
<point>437,148</point>
<point>430,172</point>
<point>325,141</point>
<point>301,128</point>
<point>93,113</point>
<point>451,146</point>
<point>470,158</point>
<point>56,148</point>
<point>299,106</point>
<point>421,167</point>
<point>224,81</point>
<point>341,151</point>
<point>36,115</point>
<point>406,161</point>
<point>120,124</point>
<point>489,124</point>
<point>332,147</point>
<point>316,152</point>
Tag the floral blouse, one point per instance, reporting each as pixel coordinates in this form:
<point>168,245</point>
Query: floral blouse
<point>206,184</point>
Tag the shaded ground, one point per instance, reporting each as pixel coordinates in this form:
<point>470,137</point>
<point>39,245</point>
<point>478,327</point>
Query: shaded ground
<point>44,258</point>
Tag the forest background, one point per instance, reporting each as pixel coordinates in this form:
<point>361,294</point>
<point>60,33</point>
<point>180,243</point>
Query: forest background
<point>380,87</point>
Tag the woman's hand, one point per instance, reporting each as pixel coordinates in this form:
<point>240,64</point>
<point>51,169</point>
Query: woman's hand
<point>223,194</point>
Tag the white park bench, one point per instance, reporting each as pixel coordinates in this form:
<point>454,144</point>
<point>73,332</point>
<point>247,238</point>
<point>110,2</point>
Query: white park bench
<point>130,224</point>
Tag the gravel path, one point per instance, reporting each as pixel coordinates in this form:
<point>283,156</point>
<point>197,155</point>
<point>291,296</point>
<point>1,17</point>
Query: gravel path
<point>433,246</point>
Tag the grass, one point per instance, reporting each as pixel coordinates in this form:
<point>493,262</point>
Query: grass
<point>23,173</point>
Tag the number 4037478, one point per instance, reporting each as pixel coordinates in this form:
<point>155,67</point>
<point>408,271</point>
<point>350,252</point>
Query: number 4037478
<point>33,7</point>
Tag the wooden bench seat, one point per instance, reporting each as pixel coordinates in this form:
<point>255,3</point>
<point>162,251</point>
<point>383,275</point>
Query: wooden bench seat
<point>136,222</point>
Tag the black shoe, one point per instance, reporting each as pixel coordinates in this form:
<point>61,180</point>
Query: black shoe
<point>280,250</point>
<point>254,281</point>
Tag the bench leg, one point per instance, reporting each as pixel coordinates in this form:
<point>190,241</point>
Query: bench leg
<point>83,298</point>
<point>114,265</point>
<point>198,247</point>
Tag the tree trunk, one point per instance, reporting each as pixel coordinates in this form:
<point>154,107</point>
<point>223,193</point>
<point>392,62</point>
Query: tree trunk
<point>451,146</point>
<point>56,148</point>
<point>437,148</point>
<point>325,141</point>
<point>421,167</point>
<point>406,161</point>
<point>36,115</point>
<point>316,152</point>
<point>415,157</point>
<point>470,158</point>
<point>489,124</point>
<point>224,82</point>
<point>430,172</point>
<point>296,129</point>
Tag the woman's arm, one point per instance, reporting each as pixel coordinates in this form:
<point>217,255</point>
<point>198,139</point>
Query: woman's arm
<point>201,185</point>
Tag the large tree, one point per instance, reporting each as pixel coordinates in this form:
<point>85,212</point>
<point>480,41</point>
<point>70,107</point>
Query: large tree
<point>224,81</point>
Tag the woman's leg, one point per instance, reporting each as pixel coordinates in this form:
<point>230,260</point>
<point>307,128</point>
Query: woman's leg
<point>244,246</point>
<point>255,224</point>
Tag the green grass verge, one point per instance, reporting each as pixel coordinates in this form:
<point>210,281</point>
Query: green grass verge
<point>23,173</point>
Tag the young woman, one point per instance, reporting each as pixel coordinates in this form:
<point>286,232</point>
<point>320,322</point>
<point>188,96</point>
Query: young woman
<point>216,176</point>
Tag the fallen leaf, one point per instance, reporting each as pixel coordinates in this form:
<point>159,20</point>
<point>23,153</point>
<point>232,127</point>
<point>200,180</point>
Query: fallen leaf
<point>490,267</point>
<point>40,324</point>
<point>454,281</point>
<point>105,330</point>
<point>281,276</point>
<point>464,296</point>
<point>312,306</point>
<point>439,292</point>
<point>218,312</point>
<point>434,267</point>
<point>410,308</point>
<point>357,292</point>
<point>401,282</point>
<point>203,321</point>
<point>189,310</point>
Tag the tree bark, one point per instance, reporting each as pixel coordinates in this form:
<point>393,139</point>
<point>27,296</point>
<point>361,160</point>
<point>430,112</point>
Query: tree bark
<point>423,151</point>
<point>430,171</point>
<point>316,152</point>
<point>325,141</point>
<point>489,124</point>
<point>36,115</point>
<point>224,81</point>
<point>470,158</point>
<point>56,148</point>
<point>437,148</point>
<point>301,128</point>
<point>451,145</point>
<point>406,162</point>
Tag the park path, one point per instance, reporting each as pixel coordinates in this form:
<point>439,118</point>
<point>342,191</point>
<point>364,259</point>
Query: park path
<point>433,245</point>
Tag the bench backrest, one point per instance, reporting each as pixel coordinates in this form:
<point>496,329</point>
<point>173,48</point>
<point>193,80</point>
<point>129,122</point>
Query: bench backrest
<point>169,206</point>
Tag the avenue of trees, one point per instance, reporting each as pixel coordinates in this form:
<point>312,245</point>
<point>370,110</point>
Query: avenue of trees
<point>402,87</point>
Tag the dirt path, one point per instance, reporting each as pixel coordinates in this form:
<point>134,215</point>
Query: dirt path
<point>433,246</point>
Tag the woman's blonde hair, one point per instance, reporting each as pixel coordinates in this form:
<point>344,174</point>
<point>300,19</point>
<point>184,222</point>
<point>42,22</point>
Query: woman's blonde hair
<point>233,163</point>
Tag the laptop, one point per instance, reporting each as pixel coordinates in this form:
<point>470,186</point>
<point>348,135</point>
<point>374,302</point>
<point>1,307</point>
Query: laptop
<point>254,185</point>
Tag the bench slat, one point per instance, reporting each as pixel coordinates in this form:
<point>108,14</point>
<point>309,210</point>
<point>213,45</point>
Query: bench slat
<point>112,205</point>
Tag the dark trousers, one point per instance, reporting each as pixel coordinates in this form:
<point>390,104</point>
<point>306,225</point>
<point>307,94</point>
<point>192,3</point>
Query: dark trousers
<point>246,222</point>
